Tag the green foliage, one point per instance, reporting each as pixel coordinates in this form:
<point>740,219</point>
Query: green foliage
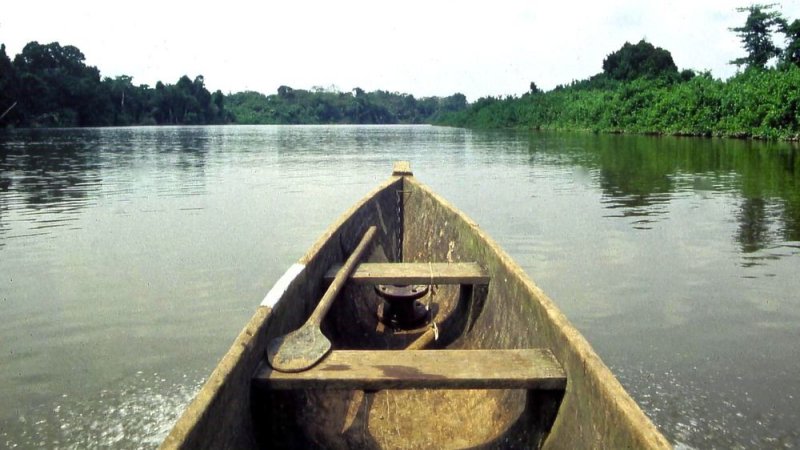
<point>640,60</point>
<point>791,54</point>
<point>52,86</point>
<point>51,76</point>
<point>9,85</point>
<point>299,106</point>
<point>763,104</point>
<point>756,35</point>
<point>641,91</point>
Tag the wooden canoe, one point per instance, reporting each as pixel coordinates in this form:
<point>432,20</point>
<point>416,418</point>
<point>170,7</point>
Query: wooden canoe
<point>503,367</point>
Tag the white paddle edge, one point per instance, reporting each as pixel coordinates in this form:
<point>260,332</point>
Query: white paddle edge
<point>282,285</point>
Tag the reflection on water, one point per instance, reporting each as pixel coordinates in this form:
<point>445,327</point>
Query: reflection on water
<point>137,251</point>
<point>61,171</point>
<point>640,175</point>
<point>49,176</point>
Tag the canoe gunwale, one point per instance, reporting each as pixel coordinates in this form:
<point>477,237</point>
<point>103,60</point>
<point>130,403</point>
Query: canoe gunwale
<point>575,354</point>
<point>236,367</point>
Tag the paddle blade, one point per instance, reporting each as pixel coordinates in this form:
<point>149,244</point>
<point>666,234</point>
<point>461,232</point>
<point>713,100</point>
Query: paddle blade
<point>298,350</point>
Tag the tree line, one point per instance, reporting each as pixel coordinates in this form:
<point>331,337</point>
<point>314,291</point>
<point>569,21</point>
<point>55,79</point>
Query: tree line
<point>51,86</point>
<point>641,90</point>
<point>321,106</point>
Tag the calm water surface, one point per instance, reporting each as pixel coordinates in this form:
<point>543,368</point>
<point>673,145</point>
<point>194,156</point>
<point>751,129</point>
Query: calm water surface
<point>130,259</point>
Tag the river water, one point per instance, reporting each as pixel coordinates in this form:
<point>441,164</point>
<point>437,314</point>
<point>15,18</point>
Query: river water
<point>130,259</point>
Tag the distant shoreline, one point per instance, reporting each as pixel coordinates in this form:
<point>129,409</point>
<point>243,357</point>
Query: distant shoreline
<point>49,86</point>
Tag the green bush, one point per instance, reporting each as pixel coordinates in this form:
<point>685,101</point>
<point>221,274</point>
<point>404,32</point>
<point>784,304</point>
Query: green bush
<point>755,103</point>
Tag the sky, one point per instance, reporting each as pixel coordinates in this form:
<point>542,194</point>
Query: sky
<point>419,47</point>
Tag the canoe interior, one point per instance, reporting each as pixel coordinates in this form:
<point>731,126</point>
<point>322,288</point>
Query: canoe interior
<point>415,225</point>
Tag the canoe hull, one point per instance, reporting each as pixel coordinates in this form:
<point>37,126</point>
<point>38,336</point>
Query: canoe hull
<point>596,411</point>
<point>415,225</point>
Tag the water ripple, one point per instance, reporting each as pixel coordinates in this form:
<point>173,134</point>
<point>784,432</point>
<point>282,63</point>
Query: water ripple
<point>137,415</point>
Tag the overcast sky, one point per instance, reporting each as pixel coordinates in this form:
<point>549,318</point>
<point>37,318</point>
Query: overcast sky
<point>424,48</point>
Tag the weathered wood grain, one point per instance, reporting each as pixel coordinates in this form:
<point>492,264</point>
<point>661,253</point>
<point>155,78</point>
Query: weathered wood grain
<point>424,369</point>
<point>303,347</point>
<point>416,273</point>
<point>402,168</point>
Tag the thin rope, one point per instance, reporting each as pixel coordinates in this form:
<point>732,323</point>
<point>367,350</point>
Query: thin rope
<point>430,285</point>
<point>428,305</point>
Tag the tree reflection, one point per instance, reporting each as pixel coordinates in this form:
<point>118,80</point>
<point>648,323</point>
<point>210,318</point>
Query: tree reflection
<point>48,170</point>
<point>63,171</point>
<point>5,186</point>
<point>790,212</point>
<point>640,176</point>
<point>754,229</point>
<point>633,184</point>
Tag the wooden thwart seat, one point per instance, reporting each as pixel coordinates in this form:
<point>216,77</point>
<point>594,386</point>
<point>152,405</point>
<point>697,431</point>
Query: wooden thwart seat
<point>415,273</point>
<point>423,369</point>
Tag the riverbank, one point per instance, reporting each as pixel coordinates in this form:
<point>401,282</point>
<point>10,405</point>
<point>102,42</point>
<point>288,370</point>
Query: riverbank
<point>759,104</point>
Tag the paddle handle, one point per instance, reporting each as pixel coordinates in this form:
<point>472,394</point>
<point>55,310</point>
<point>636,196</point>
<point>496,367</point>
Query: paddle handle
<point>421,342</point>
<point>341,277</point>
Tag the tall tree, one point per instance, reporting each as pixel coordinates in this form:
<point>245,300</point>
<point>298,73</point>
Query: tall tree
<point>57,88</point>
<point>454,103</point>
<point>123,99</point>
<point>9,93</point>
<point>640,60</point>
<point>756,35</point>
<point>791,54</point>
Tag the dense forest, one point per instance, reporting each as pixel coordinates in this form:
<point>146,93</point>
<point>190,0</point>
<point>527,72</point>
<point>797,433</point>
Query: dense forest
<point>51,86</point>
<point>320,106</point>
<point>640,90</point>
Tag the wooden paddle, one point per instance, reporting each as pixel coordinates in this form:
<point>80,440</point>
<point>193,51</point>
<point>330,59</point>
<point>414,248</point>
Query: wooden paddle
<point>304,347</point>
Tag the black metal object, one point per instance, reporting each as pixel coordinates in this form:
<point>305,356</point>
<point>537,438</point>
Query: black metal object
<point>402,309</point>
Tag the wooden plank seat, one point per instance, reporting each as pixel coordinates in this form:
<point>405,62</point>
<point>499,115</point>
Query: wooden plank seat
<point>423,369</point>
<point>415,273</point>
